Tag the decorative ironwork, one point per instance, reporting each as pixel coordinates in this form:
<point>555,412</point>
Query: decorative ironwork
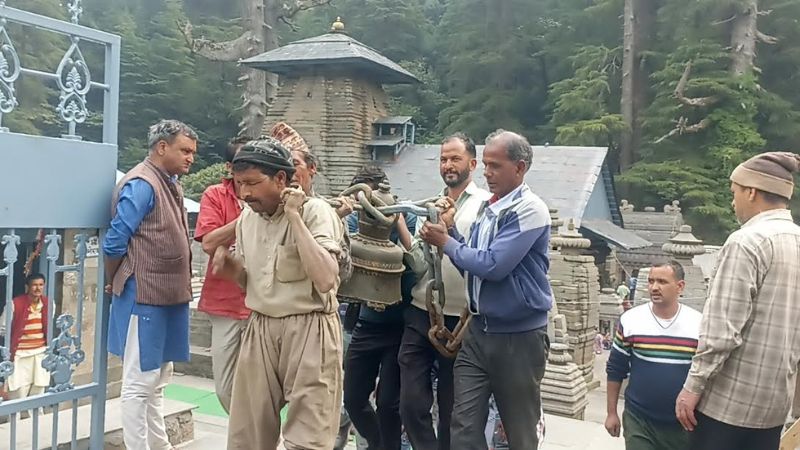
<point>9,72</point>
<point>61,357</point>
<point>52,252</point>
<point>81,249</point>
<point>10,254</point>
<point>74,81</point>
<point>75,10</point>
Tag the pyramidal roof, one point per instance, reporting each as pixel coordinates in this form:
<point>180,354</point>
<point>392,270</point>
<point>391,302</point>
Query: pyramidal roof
<point>334,49</point>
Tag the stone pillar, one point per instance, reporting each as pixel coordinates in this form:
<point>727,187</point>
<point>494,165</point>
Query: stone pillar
<point>555,224</point>
<point>626,207</point>
<point>610,308</point>
<point>556,333</point>
<point>682,248</point>
<point>575,288</point>
<point>563,386</point>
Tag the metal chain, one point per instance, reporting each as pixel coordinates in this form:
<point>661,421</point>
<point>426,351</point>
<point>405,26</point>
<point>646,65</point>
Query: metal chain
<point>445,341</point>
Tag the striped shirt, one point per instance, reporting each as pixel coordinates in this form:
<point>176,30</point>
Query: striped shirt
<point>749,348</point>
<point>653,352</point>
<point>33,335</point>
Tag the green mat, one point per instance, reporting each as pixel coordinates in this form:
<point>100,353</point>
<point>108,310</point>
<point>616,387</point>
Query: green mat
<point>206,401</point>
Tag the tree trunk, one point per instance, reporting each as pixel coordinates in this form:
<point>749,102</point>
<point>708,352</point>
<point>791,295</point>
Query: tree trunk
<point>254,83</point>
<point>259,19</point>
<point>628,82</point>
<point>270,80</point>
<point>638,23</point>
<point>744,33</point>
<point>643,31</point>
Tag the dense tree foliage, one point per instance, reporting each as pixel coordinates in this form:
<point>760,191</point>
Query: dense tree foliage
<point>552,69</point>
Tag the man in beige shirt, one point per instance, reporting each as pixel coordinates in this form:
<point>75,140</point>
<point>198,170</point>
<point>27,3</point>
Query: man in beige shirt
<point>743,374</point>
<point>291,350</point>
<point>457,162</point>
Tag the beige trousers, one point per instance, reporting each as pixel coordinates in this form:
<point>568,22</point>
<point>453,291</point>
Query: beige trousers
<point>295,360</point>
<point>226,336</point>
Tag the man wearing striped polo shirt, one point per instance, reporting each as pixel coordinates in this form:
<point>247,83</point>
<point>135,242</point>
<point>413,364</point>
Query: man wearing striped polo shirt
<point>653,345</point>
<point>28,340</point>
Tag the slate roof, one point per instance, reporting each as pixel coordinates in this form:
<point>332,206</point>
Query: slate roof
<point>564,177</point>
<point>394,120</point>
<point>607,231</point>
<point>656,227</point>
<point>383,141</point>
<point>331,49</point>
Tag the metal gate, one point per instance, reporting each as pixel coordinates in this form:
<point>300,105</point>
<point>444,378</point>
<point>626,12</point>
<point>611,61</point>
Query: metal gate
<point>54,206</point>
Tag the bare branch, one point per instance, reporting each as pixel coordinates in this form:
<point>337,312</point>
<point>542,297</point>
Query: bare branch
<point>228,51</point>
<point>682,128</point>
<point>289,23</point>
<point>765,38</point>
<point>720,22</point>
<point>288,11</point>
<point>691,101</point>
<point>698,127</point>
<point>765,13</point>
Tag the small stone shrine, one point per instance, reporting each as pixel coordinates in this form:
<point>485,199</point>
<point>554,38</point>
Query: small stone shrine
<point>331,92</point>
<point>574,278</point>
<point>563,386</point>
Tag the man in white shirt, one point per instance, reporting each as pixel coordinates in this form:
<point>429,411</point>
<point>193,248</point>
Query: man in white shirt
<point>457,162</point>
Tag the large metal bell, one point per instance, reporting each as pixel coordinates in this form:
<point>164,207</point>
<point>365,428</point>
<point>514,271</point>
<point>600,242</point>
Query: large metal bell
<point>377,261</point>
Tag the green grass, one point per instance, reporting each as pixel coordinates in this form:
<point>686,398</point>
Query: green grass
<point>206,401</point>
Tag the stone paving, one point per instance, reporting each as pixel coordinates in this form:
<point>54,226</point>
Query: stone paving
<point>561,433</point>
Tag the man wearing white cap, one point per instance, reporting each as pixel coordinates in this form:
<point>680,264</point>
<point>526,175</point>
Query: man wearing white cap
<point>743,374</point>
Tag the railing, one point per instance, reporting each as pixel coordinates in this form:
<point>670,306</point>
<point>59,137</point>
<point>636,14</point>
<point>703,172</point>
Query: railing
<point>58,221</point>
<point>72,77</point>
<point>65,337</point>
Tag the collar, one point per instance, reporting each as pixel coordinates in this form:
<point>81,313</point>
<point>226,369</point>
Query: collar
<point>772,214</point>
<point>35,308</point>
<point>274,217</point>
<point>471,189</point>
<point>162,172</point>
<point>497,205</point>
<point>229,185</point>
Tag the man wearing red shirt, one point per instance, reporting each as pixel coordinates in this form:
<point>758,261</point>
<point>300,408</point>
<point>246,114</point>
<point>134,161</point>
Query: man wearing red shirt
<point>221,299</point>
<point>29,340</point>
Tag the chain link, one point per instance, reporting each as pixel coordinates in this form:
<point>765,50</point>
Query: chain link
<point>445,341</point>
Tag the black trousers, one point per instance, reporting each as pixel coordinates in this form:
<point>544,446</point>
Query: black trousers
<point>711,434</point>
<point>417,359</point>
<point>510,366</point>
<point>373,353</point>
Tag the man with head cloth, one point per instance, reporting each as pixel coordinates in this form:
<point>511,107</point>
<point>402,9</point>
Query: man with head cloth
<point>743,374</point>
<point>291,350</point>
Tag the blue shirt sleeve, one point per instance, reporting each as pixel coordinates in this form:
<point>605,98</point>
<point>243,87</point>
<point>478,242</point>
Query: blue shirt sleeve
<point>509,246</point>
<point>136,200</point>
<point>352,222</point>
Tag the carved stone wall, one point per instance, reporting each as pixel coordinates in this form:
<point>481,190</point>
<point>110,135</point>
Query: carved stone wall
<point>334,113</point>
<point>575,281</point>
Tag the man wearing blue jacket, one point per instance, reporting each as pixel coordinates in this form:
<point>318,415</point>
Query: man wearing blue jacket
<point>505,263</point>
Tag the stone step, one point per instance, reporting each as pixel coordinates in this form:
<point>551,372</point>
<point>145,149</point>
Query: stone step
<point>199,365</point>
<point>177,416</point>
<point>199,328</point>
